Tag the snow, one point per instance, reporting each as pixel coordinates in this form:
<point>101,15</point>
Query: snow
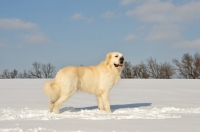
<point>138,106</point>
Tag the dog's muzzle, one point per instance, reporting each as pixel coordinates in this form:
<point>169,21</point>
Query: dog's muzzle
<point>121,62</point>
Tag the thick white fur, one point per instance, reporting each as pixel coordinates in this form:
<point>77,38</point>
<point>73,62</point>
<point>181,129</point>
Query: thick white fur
<point>97,80</point>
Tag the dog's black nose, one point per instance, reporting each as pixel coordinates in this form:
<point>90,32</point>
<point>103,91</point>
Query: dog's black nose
<point>121,59</point>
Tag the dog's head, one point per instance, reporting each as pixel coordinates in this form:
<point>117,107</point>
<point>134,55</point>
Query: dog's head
<point>115,59</point>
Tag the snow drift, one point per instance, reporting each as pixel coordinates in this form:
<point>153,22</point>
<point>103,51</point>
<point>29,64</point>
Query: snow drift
<point>137,105</point>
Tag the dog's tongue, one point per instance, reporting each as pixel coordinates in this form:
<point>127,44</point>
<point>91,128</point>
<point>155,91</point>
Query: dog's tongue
<point>116,65</point>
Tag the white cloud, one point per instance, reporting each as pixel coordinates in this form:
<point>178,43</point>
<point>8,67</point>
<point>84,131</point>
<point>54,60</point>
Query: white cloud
<point>165,32</point>
<point>80,16</point>
<point>166,17</point>
<point>130,37</point>
<point>2,45</point>
<point>126,2</point>
<point>27,33</point>
<point>157,11</point>
<point>35,38</point>
<point>152,11</point>
<point>188,12</point>
<point>8,46</point>
<point>89,20</point>
<point>187,44</point>
<point>110,14</point>
<point>17,24</point>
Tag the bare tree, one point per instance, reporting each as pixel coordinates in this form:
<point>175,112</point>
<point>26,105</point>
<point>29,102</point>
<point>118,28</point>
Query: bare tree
<point>196,63</point>
<point>189,67</point>
<point>42,70</point>
<point>24,75</point>
<point>14,74</point>
<point>5,74</point>
<point>153,68</point>
<point>140,71</point>
<point>127,71</point>
<point>48,70</point>
<point>150,70</point>
<point>159,71</point>
<point>166,71</point>
<point>36,72</point>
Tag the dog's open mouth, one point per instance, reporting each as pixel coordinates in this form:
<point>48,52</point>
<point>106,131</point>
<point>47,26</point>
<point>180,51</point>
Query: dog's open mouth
<point>118,65</point>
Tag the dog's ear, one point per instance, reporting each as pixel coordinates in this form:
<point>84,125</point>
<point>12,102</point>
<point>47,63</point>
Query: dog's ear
<point>108,58</point>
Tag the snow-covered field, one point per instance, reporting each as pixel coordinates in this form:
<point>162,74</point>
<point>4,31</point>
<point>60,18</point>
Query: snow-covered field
<point>138,106</point>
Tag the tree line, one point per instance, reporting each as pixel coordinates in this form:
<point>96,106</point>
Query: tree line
<point>188,68</point>
<point>38,70</point>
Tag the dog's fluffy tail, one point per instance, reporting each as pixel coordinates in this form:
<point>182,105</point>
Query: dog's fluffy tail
<point>52,91</point>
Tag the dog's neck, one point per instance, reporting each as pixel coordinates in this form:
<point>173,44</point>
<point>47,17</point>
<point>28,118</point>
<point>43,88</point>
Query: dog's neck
<point>112,71</point>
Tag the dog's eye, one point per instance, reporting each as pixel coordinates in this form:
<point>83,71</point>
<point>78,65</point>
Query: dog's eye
<point>116,56</point>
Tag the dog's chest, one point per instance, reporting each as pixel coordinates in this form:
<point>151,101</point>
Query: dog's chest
<point>108,80</point>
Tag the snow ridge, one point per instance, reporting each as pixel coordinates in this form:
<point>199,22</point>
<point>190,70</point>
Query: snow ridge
<point>95,114</point>
<point>39,129</point>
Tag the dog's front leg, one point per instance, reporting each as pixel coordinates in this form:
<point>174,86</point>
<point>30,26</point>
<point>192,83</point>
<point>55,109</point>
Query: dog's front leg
<point>106,101</point>
<point>100,102</point>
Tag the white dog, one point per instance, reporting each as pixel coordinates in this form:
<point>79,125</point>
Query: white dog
<point>97,80</point>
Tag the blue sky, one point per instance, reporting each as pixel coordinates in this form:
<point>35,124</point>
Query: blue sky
<point>75,32</point>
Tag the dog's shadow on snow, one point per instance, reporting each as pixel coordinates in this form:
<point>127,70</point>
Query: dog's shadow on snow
<point>113,107</point>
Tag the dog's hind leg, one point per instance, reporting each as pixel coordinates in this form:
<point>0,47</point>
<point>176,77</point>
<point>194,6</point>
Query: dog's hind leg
<point>59,102</point>
<point>62,99</point>
<point>51,106</point>
<point>68,89</point>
